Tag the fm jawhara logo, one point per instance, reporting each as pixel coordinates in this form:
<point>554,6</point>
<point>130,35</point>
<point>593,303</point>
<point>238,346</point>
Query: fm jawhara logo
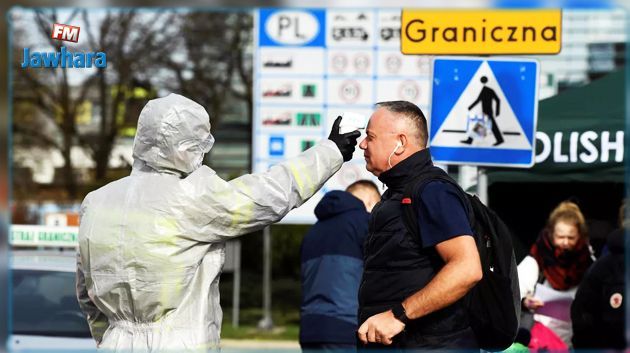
<point>64,58</point>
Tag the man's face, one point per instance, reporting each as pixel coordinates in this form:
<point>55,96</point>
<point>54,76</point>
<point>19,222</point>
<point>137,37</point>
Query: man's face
<point>380,141</point>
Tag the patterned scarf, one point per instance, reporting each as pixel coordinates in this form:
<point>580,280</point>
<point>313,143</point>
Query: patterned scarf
<point>563,269</point>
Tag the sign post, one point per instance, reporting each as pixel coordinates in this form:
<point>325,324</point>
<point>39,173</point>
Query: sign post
<point>484,111</point>
<point>311,65</point>
<point>481,32</point>
<point>266,323</point>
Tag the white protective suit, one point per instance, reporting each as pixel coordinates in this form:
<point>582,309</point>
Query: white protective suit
<point>152,244</point>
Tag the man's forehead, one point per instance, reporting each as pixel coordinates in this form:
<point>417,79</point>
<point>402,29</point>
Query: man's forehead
<point>382,120</point>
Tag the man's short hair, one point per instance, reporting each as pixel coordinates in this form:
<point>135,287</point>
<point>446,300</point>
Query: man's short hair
<point>413,114</point>
<point>363,185</point>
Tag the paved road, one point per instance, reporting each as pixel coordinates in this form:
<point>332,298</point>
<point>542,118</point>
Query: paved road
<point>232,345</point>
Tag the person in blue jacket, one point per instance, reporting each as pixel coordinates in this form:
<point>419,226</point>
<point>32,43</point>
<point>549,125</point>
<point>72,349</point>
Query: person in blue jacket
<point>332,265</point>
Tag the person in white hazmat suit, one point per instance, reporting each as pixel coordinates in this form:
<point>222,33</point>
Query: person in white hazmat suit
<point>151,245</point>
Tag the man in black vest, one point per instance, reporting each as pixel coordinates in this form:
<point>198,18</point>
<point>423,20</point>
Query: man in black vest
<point>412,289</point>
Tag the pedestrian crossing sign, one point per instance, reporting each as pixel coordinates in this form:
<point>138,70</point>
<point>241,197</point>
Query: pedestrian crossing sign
<point>484,111</point>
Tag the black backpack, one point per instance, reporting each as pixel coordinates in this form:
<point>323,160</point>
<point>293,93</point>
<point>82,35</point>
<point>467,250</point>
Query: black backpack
<point>494,304</point>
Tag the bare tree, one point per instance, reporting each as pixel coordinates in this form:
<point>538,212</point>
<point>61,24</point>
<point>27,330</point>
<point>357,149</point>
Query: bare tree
<point>49,90</point>
<point>134,44</point>
<point>203,55</point>
<point>215,62</point>
<point>244,62</point>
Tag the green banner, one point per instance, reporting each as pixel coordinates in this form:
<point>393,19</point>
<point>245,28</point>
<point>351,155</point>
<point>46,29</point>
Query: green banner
<point>35,236</point>
<point>580,136</point>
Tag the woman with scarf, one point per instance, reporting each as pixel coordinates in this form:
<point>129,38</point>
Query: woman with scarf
<point>557,262</point>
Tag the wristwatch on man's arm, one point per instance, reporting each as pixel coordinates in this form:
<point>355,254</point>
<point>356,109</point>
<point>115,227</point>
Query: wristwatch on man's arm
<point>399,313</point>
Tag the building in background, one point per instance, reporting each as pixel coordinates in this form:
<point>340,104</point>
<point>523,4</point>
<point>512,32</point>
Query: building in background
<point>593,44</point>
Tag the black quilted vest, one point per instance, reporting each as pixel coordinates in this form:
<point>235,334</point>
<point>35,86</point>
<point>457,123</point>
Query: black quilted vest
<point>395,266</point>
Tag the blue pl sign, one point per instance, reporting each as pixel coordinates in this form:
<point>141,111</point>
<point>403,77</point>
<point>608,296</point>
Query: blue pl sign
<point>286,27</point>
<point>483,111</point>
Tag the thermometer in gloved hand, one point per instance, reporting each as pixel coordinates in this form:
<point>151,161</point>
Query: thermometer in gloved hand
<point>351,121</point>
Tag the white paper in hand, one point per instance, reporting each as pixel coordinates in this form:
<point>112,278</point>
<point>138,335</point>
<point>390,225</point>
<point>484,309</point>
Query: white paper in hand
<point>352,121</point>
<point>557,303</point>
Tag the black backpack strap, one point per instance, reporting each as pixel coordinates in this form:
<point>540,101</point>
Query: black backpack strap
<point>415,187</point>
<point>409,213</point>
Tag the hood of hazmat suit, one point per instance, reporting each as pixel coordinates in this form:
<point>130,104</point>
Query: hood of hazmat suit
<point>151,245</point>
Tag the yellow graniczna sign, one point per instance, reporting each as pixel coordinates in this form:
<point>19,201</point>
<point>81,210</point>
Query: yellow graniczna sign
<point>481,32</point>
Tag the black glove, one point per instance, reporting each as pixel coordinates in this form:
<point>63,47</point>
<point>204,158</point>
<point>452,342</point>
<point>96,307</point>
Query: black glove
<point>345,142</point>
